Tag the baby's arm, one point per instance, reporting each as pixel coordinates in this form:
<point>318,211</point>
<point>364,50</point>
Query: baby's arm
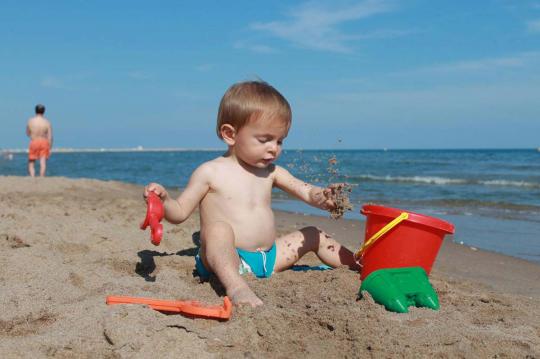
<point>312,195</point>
<point>178,210</point>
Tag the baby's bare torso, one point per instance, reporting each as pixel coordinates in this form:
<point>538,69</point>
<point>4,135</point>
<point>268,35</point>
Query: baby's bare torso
<point>38,127</point>
<point>243,200</point>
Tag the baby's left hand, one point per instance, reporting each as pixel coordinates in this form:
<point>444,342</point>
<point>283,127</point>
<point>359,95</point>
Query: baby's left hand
<point>331,193</point>
<point>325,199</point>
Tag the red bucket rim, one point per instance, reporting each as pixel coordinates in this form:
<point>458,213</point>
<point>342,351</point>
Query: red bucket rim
<point>413,217</point>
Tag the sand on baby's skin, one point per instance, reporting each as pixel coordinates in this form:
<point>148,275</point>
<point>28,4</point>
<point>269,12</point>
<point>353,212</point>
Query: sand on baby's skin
<point>67,244</point>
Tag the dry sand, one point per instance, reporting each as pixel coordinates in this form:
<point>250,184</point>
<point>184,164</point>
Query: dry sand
<point>67,244</point>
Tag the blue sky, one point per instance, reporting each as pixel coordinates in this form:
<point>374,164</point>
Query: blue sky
<point>358,74</point>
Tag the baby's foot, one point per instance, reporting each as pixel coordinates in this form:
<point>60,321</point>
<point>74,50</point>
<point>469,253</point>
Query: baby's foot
<point>244,295</point>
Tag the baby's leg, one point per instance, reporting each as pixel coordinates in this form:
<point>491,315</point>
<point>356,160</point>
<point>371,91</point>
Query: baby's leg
<point>219,255</point>
<point>291,247</point>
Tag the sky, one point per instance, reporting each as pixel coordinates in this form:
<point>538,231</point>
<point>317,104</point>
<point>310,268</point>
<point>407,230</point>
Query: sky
<point>358,74</point>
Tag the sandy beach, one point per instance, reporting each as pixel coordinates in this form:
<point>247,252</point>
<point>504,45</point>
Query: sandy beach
<point>67,244</point>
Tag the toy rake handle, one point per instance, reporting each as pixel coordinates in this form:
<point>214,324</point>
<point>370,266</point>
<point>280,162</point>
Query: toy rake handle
<point>190,307</point>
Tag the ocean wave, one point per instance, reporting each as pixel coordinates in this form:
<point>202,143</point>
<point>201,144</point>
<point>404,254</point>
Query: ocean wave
<point>413,179</point>
<point>508,183</point>
<point>433,180</point>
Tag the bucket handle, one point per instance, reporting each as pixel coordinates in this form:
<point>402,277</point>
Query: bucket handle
<point>403,216</point>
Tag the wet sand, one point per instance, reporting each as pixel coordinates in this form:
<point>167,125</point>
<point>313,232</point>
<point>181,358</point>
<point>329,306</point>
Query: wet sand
<point>67,244</point>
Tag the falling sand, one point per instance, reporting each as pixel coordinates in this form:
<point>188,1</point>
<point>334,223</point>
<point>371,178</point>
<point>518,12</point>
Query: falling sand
<point>339,192</point>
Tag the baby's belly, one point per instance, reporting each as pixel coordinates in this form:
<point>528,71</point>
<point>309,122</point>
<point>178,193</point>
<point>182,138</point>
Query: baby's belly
<point>253,229</point>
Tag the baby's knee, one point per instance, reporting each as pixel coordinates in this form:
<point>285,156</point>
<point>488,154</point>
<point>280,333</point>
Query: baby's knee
<point>313,237</point>
<point>311,232</point>
<point>316,237</point>
<point>314,233</point>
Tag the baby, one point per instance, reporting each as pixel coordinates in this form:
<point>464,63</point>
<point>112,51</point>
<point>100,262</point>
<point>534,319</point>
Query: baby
<point>233,193</point>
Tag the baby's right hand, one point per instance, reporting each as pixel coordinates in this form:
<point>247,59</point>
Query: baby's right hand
<point>157,189</point>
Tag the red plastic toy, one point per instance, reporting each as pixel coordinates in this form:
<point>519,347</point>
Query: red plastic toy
<point>154,215</point>
<point>414,241</point>
<point>187,307</point>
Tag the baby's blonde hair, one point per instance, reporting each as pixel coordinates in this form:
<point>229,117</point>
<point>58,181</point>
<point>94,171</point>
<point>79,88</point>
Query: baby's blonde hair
<point>250,100</point>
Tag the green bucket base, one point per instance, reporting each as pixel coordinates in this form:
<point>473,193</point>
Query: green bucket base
<point>399,288</point>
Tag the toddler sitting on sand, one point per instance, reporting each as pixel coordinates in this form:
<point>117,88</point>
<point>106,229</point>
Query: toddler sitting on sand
<point>233,193</point>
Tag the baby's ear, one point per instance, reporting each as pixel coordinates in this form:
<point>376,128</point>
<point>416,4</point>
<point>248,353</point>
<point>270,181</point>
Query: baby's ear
<point>228,133</point>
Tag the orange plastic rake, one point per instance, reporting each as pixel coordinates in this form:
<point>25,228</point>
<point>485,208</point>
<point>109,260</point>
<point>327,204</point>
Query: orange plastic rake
<point>188,307</point>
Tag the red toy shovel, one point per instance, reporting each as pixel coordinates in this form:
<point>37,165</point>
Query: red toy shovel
<point>154,215</point>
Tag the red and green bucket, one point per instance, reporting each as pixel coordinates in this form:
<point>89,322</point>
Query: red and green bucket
<point>397,255</point>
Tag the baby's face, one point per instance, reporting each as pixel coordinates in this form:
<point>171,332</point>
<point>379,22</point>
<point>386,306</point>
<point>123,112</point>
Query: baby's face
<point>259,142</point>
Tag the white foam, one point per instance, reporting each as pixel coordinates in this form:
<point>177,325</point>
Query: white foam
<point>416,179</point>
<point>508,183</point>
<point>449,181</point>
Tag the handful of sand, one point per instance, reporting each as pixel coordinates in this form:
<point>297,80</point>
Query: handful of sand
<point>340,195</point>
<point>339,192</point>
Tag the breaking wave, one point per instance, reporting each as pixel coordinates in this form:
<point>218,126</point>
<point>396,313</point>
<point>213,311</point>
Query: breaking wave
<point>433,180</point>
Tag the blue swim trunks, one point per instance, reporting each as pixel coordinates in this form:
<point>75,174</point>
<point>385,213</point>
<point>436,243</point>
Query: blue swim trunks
<point>260,263</point>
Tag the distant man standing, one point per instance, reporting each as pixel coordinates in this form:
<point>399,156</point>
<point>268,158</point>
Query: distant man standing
<point>40,132</point>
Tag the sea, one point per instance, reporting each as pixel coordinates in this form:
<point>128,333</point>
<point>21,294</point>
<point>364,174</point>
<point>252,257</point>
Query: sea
<point>491,196</point>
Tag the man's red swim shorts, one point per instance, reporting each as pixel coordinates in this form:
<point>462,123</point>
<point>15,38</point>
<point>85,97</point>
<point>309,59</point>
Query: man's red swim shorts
<point>39,148</point>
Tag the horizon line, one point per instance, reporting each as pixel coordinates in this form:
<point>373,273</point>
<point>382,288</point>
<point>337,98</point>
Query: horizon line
<point>211,149</point>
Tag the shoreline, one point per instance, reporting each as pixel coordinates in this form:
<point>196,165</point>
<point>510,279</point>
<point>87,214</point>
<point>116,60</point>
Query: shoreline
<point>69,243</point>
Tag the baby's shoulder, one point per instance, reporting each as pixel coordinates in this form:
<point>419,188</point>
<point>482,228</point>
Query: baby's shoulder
<point>276,170</point>
<point>211,168</point>
<point>214,165</point>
